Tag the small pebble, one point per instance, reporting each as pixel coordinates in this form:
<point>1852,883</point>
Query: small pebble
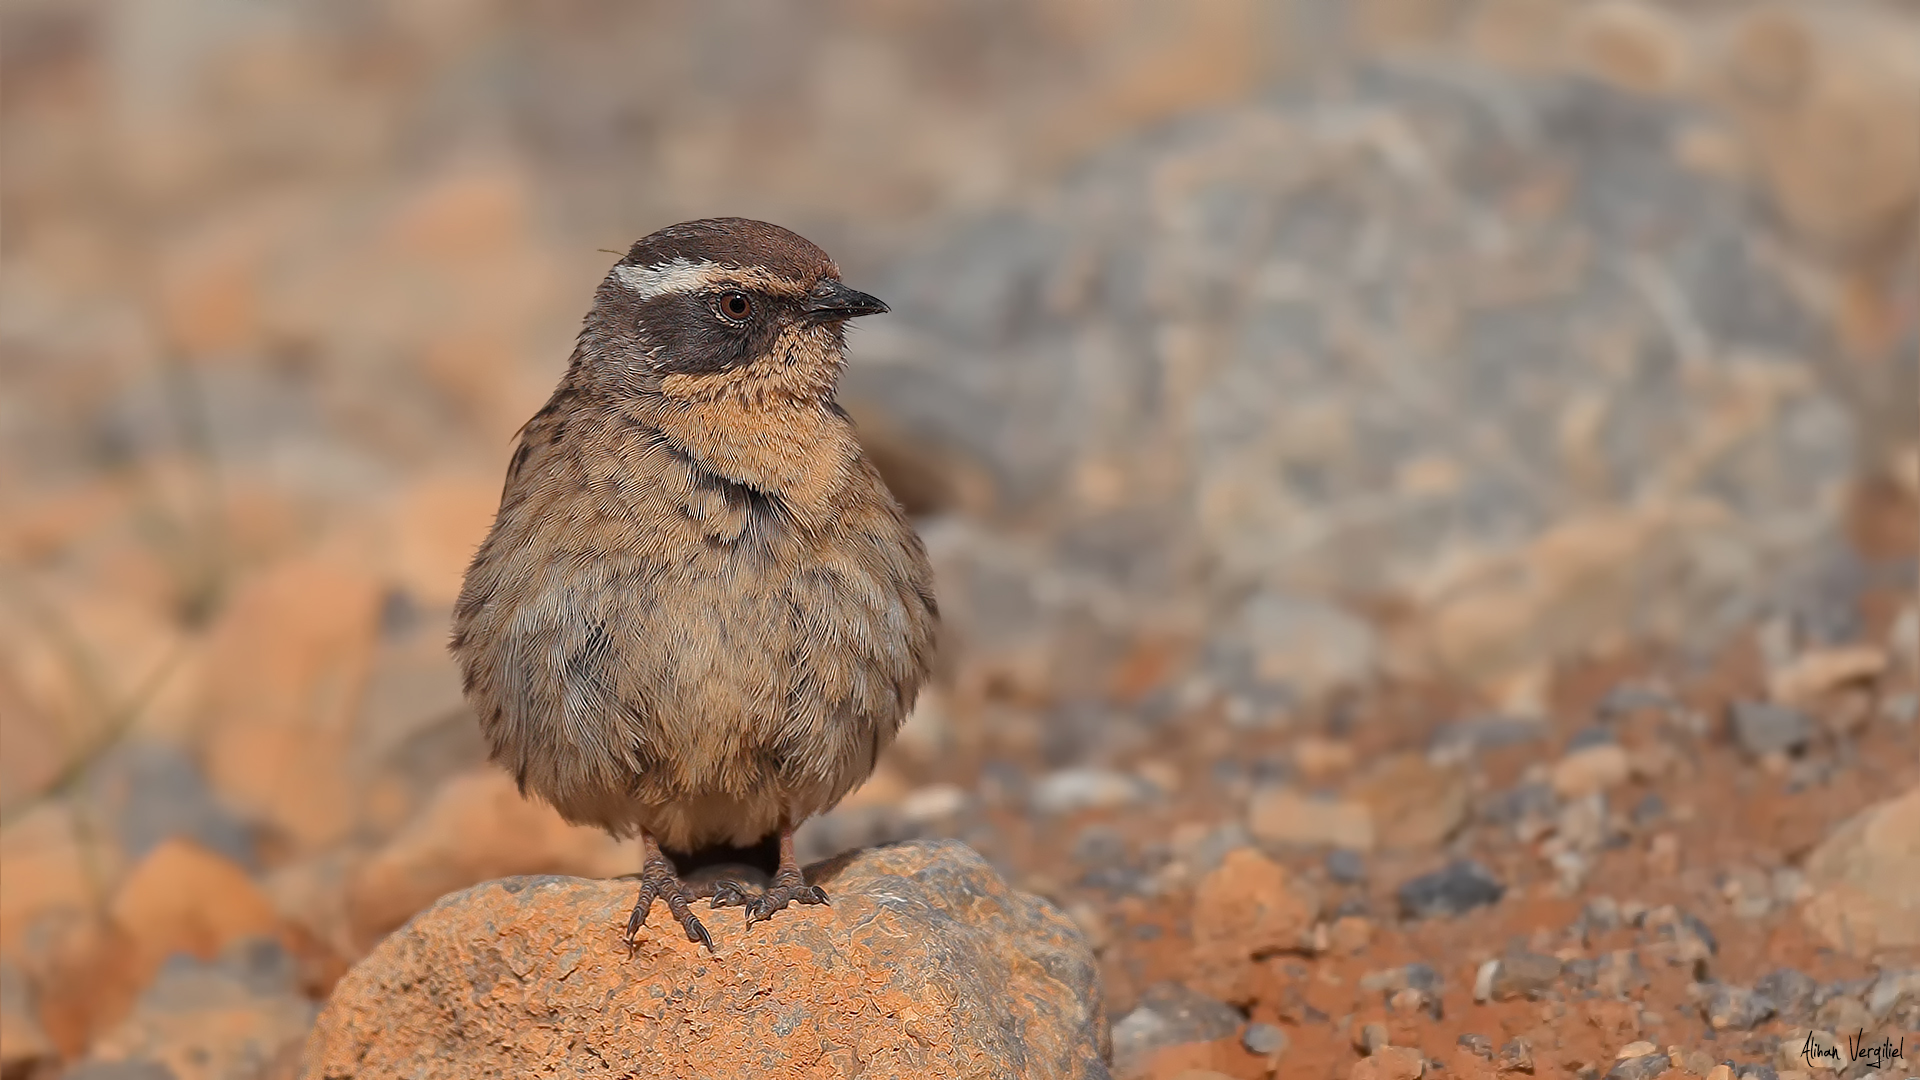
<point>1069,790</point>
<point>1523,975</point>
<point>1641,1066</point>
<point>1370,1038</point>
<point>1459,887</point>
<point>1483,980</point>
<point>1901,709</point>
<point>1594,735</point>
<point>1478,1045</point>
<point>1264,1039</point>
<point>1346,867</point>
<point>1735,1008</point>
<point>1516,1056</point>
<point>1762,728</point>
<point>1791,993</point>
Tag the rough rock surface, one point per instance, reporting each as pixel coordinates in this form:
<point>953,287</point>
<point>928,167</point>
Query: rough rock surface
<point>925,963</point>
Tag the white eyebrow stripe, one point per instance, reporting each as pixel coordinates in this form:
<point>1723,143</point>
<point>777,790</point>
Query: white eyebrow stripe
<point>678,276</point>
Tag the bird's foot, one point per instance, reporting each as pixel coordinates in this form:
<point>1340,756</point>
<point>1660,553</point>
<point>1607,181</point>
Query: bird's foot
<point>789,887</point>
<point>658,881</point>
<point>726,894</point>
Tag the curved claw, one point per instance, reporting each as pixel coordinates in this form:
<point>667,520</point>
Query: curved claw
<point>697,931</point>
<point>779,896</point>
<point>727,894</point>
<point>659,882</point>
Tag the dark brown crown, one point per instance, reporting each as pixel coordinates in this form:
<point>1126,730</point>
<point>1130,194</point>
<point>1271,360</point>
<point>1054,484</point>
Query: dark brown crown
<point>735,242</point>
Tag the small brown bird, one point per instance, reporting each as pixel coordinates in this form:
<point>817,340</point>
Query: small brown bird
<point>700,615</point>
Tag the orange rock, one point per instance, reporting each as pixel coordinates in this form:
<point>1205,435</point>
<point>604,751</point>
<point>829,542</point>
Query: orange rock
<point>184,898</point>
<point>1827,101</point>
<point>1390,1063</point>
<point>1591,769</point>
<point>44,869</point>
<point>1818,672</point>
<point>1415,804</point>
<point>1866,879</point>
<point>1286,815</point>
<point>1318,758</point>
<point>89,974</point>
<point>477,827</point>
<point>925,964</point>
<point>25,1049</point>
<point>1632,44</point>
<point>436,526</point>
<point>1248,905</point>
<point>288,666</point>
<point>210,289</point>
<point>465,216</point>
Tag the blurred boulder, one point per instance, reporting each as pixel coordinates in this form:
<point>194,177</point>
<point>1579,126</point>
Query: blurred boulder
<point>146,792</point>
<point>1866,879</point>
<point>478,826</point>
<point>227,1018</point>
<point>1486,341</point>
<point>183,898</point>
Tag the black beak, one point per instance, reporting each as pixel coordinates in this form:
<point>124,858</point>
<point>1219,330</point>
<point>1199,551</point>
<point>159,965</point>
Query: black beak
<point>831,300</point>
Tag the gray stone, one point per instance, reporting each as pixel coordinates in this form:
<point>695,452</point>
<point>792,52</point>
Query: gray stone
<point>1600,915</point>
<point>1735,1008</point>
<point>1594,735</point>
<point>1346,867</point>
<point>1892,990</point>
<point>1764,728</point>
<point>1524,975</point>
<point>850,828</point>
<point>1309,645</point>
<point>1462,739</point>
<point>1477,1045</point>
<point>1264,1039</point>
<point>1645,1067</point>
<point>1327,303</point>
<point>1169,1014</point>
<point>1791,992</point>
<point>1519,804</point>
<point>1458,887</point>
<point>1629,698</point>
<point>148,792</point>
<point>1516,1055</point>
<point>1206,855</point>
<point>1681,935</point>
<point>1901,708</point>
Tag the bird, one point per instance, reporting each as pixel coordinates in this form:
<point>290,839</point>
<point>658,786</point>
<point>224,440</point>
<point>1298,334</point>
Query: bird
<point>699,616</point>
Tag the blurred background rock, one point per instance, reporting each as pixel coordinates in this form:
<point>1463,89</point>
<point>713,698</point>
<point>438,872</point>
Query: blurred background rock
<point>1241,353</point>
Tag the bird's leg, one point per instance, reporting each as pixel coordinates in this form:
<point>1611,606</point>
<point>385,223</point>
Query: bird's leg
<point>659,881</point>
<point>789,884</point>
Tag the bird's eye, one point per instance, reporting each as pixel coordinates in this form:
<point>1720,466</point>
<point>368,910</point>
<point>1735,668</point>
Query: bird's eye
<point>735,306</point>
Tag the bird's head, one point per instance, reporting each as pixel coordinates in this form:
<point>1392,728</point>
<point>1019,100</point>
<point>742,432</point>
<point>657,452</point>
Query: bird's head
<point>719,308</point>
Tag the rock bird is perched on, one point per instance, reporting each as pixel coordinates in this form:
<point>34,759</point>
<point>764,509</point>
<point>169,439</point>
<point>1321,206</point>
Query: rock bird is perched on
<point>700,615</point>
